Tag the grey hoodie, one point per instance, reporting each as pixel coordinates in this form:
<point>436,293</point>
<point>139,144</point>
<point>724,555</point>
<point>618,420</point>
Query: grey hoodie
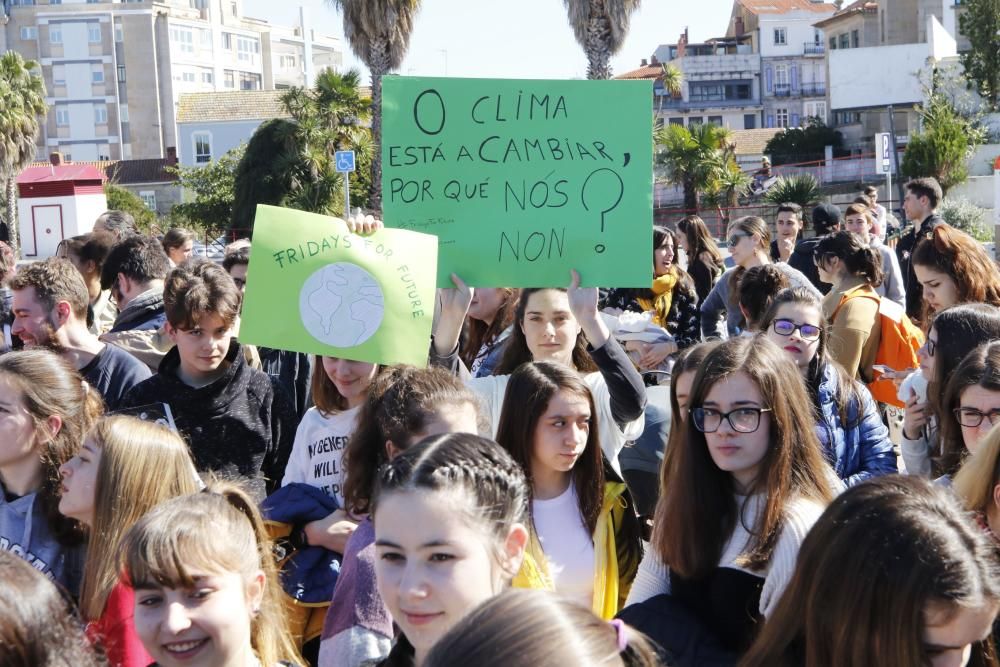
<point>24,531</point>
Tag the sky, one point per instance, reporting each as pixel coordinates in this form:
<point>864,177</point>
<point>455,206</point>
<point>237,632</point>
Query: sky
<point>528,39</point>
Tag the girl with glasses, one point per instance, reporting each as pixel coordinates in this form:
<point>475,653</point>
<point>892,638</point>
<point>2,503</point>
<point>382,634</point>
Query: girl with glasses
<point>952,334</point>
<point>971,405</point>
<point>854,268</point>
<point>746,483</point>
<point>749,242</point>
<point>893,573</point>
<point>848,424</point>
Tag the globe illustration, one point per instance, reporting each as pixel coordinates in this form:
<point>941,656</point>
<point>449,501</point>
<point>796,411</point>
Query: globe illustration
<point>341,305</point>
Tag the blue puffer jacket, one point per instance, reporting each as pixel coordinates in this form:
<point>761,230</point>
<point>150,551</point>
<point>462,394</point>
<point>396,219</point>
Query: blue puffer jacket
<point>863,450</point>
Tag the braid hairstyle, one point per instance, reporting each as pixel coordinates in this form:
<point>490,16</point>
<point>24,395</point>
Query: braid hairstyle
<point>492,482</point>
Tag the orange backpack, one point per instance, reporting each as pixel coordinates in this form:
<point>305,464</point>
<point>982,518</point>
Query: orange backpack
<point>897,347</point>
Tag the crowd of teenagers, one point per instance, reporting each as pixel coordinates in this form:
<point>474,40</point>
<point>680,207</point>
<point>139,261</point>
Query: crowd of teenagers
<point>733,466</point>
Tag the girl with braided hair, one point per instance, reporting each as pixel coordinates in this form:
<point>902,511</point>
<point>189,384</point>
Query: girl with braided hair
<point>450,534</point>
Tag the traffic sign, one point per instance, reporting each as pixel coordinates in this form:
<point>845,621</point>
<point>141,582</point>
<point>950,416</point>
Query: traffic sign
<point>883,152</point>
<point>344,161</point>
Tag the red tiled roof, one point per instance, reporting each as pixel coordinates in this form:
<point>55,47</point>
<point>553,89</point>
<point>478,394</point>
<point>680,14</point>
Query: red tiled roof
<point>64,172</point>
<point>121,172</point>
<point>784,6</point>
<point>647,72</point>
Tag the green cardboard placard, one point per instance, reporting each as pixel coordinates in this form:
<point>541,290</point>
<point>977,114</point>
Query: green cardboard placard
<point>523,180</point>
<point>314,287</point>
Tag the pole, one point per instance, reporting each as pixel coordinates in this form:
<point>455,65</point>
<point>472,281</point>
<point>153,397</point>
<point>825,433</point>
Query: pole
<point>895,158</point>
<point>347,195</point>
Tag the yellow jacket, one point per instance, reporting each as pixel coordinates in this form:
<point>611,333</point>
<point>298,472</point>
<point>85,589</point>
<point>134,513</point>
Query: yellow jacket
<point>610,585</point>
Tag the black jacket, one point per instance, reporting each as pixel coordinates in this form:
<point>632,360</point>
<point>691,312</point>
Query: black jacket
<point>802,260</point>
<point>905,248</point>
<point>238,426</point>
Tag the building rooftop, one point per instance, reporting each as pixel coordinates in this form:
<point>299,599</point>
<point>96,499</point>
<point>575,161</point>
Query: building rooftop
<point>859,7</point>
<point>752,142</point>
<point>119,172</point>
<point>46,173</point>
<point>646,72</point>
<point>784,6</point>
<point>234,105</point>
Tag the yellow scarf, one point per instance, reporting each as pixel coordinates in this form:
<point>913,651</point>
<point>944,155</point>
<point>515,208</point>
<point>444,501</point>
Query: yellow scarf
<point>663,288</point>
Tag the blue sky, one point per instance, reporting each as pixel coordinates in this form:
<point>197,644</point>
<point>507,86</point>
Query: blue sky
<point>512,38</point>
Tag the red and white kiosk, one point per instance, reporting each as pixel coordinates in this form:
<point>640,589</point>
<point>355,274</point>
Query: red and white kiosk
<point>56,202</point>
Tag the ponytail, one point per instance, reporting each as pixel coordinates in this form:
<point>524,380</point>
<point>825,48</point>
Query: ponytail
<point>859,257</point>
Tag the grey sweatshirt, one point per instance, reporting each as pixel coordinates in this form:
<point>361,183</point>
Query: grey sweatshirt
<point>718,303</point>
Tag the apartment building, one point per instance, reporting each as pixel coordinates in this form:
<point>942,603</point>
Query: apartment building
<point>793,71</point>
<point>720,83</point>
<point>114,70</point>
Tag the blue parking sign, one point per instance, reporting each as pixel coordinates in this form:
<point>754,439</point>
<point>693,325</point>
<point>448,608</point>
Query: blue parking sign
<point>344,161</point>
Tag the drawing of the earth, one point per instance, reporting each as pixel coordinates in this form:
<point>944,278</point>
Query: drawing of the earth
<point>341,305</point>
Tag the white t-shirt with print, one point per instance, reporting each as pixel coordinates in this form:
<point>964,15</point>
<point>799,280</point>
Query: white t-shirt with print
<point>318,451</point>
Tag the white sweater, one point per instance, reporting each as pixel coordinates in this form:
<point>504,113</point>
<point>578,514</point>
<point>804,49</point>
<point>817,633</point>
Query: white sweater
<point>653,577</point>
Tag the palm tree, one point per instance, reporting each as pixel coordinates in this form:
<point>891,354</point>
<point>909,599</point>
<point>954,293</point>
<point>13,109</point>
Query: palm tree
<point>693,158</point>
<point>600,27</point>
<point>379,34</point>
<point>22,104</point>
<point>673,84</point>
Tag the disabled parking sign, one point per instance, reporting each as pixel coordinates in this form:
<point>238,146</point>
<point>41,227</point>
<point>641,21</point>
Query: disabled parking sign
<point>344,161</point>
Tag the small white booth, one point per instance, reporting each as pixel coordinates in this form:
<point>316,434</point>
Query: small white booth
<point>56,202</point>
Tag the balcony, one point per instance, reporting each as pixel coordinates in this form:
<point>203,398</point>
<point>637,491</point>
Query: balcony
<point>813,89</point>
<point>813,49</point>
<point>782,90</point>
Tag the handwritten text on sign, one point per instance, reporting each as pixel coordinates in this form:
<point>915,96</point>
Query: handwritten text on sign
<point>523,180</point>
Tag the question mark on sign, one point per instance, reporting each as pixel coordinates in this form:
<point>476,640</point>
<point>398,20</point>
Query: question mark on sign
<point>600,188</point>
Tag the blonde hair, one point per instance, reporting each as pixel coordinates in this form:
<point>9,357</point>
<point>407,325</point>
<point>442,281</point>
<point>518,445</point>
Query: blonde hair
<point>142,464</point>
<point>976,479</point>
<point>219,531</point>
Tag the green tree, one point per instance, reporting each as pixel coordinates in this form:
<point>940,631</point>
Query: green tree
<point>379,34</point>
<point>120,199</point>
<point>693,157</point>
<point>289,162</point>
<point>801,189</point>
<point>212,188</point>
<point>600,27</point>
<point>22,105</point>
<point>980,23</point>
<point>804,144</point>
<point>943,145</point>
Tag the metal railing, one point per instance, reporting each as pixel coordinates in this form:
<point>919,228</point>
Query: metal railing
<point>814,49</point>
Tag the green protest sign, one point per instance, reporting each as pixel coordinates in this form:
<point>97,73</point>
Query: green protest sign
<point>523,180</point>
<point>314,287</point>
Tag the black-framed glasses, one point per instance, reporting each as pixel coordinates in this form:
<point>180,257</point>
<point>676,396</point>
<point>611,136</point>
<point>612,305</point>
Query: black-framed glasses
<point>930,346</point>
<point>972,418</point>
<point>743,420</point>
<point>784,327</point>
<point>734,239</point>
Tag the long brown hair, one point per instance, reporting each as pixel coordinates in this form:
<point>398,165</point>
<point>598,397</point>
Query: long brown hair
<point>402,401</point>
<point>37,625</point>
<point>961,257</point>
<point>542,629</point>
<point>325,395</point>
<point>757,228</point>
<point>850,574</point>
<point>479,333</point>
<point>858,257</point>
<point>217,531</point>
<point>49,387</point>
<point>517,351</point>
<point>698,511</point>
<point>700,240</point>
<point>529,391</point>
<point>981,367</point>
<point>142,465</point>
